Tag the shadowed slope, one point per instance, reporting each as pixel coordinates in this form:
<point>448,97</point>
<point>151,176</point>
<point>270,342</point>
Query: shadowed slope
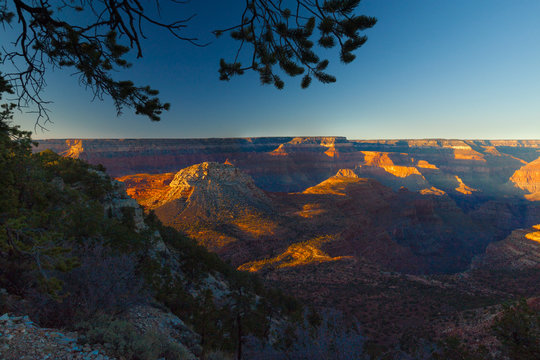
<point>219,206</point>
<point>520,250</point>
<point>347,242</point>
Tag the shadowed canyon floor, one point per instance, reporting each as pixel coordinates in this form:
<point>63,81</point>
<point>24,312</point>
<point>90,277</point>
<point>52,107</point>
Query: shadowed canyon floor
<point>394,232</point>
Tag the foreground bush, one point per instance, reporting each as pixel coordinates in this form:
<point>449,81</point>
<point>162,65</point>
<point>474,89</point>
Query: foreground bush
<point>122,340</point>
<point>518,330</point>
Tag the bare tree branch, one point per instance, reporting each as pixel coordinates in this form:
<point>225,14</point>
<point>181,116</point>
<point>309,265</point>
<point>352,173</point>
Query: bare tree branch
<point>93,37</point>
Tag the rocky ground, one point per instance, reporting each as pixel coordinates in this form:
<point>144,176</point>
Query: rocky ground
<point>21,339</point>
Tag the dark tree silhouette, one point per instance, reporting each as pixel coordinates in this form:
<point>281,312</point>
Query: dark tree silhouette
<point>94,37</point>
<point>518,330</point>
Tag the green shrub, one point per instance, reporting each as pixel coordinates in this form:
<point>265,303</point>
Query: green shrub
<point>518,330</point>
<point>122,340</point>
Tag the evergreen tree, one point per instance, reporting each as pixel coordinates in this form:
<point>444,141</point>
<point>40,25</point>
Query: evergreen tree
<point>94,38</point>
<point>518,330</point>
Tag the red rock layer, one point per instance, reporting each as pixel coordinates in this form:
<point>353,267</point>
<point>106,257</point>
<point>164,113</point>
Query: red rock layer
<point>294,164</point>
<point>528,178</point>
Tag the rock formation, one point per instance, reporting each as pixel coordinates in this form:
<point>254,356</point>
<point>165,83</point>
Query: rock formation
<point>294,164</point>
<point>216,204</point>
<point>222,208</point>
<point>528,178</point>
<point>462,188</point>
<point>146,187</point>
<point>520,250</point>
<point>23,339</point>
<point>380,229</point>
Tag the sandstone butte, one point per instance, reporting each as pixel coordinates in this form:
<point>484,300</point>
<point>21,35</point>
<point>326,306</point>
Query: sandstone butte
<point>336,184</point>
<point>211,189</point>
<point>215,204</point>
<point>329,146</point>
<point>528,179</point>
<point>383,161</point>
<point>201,177</point>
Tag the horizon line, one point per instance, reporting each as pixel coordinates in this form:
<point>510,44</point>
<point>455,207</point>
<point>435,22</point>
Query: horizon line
<point>287,136</point>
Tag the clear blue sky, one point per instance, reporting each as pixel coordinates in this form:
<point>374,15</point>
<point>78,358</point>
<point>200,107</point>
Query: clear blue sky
<point>431,68</point>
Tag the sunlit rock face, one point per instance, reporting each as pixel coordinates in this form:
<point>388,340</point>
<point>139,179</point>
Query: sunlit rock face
<point>528,179</point>
<point>296,255</point>
<point>146,188</point>
<point>426,165</point>
<point>296,163</point>
<point>223,209</point>
<point>216,204</point>
<point>462,188</point>
<point>432,191</point>
<point>432,180</point>
<point>74,149</point>
<point>383,161</point>
<point>349,241</point>
<point>215,186</point>
<point>394,170</point>
<point>534,235</point>
<point>520,250</point>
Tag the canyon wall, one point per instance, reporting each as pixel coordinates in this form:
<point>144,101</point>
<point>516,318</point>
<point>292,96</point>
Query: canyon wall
<point>288,164</point>
<point>388,257</point>
<point>379,229</point>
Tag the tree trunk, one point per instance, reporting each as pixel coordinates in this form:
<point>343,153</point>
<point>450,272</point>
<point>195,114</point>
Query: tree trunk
<point>239,327</point>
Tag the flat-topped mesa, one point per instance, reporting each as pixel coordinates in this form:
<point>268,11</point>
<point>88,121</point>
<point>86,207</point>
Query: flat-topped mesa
<point>319,140</point>
<point>331,146</point>
<point>450,143</point>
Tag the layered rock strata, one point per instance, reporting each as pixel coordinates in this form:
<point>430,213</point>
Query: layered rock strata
<point>294,164</point>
